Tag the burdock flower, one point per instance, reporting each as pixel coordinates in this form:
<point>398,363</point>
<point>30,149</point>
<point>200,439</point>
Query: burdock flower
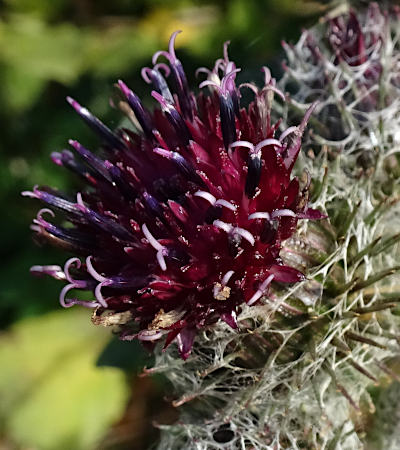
<point>350,63</point>
<point>184,219</point>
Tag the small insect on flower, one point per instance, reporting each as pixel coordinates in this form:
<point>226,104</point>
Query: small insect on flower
<point>183,220</point>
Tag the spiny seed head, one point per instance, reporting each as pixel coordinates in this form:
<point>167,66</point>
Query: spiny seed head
<point>183,220</point>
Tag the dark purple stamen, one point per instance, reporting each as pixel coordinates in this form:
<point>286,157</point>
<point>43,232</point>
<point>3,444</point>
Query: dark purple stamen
<point>229,105</point>
<point>174,118</point>
<point>106,224</point>
<point>71,236</point>
<point>228,126</point>
<point>179,77</point>
<point>160,85</point>
<point>67,159</point>
<point>253,174</point>
<point>97,126</point>
<point>125,282</point>
<point>153,205</point>
<point>229,87</point>
<point>182,164</point>
<point>118,178</point>
<point>235,101</point>
<point>182,89</point>
<point>94,161</point>
<point>54,200</point>
<point>56,157</point>
<point>141,113</point>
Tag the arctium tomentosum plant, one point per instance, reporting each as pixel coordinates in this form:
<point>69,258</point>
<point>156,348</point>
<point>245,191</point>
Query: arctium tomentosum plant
<point>188,231</point>
<point>182,221</point>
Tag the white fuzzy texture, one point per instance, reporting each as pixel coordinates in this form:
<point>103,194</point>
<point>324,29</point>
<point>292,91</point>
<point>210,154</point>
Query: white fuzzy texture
<point>342,87</point>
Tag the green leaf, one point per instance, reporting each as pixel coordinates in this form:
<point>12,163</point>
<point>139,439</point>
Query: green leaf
<point>33,53</point>
<point>52,394</point>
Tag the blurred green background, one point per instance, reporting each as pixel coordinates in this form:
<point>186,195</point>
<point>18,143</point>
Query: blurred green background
<point>58,388</point>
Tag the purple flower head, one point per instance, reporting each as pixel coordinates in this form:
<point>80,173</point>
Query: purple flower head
<point>183,220</point>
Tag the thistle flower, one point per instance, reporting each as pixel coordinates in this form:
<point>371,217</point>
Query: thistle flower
<point>183,221</point>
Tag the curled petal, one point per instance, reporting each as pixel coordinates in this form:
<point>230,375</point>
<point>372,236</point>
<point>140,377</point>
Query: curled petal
<point>283,213</point>
<point>203,70</point>
<point>67,266</point>
<point>276,90</point>
<point>207,196</point>
<point>212,83</point>
<point>227,227</point>
<point>170,55</point>
<point>93,272</point>
<point>71,302</point>
<point>164,67</point>
<point>287,132</point>
<point>247,144</point>
<point>39,219</point>
<point>226,204</point>
<point>260,215</point>
<point>267,75</point>
<point>227,277</point>
<point>183,94</point>
<point>63,294</point>
<point>245,234</point>
<point>227,82</point>
<point>99,295</point>
<point>267,142</point>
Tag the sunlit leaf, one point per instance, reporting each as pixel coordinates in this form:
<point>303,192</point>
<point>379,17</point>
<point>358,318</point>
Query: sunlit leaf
<point>51,393</point>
